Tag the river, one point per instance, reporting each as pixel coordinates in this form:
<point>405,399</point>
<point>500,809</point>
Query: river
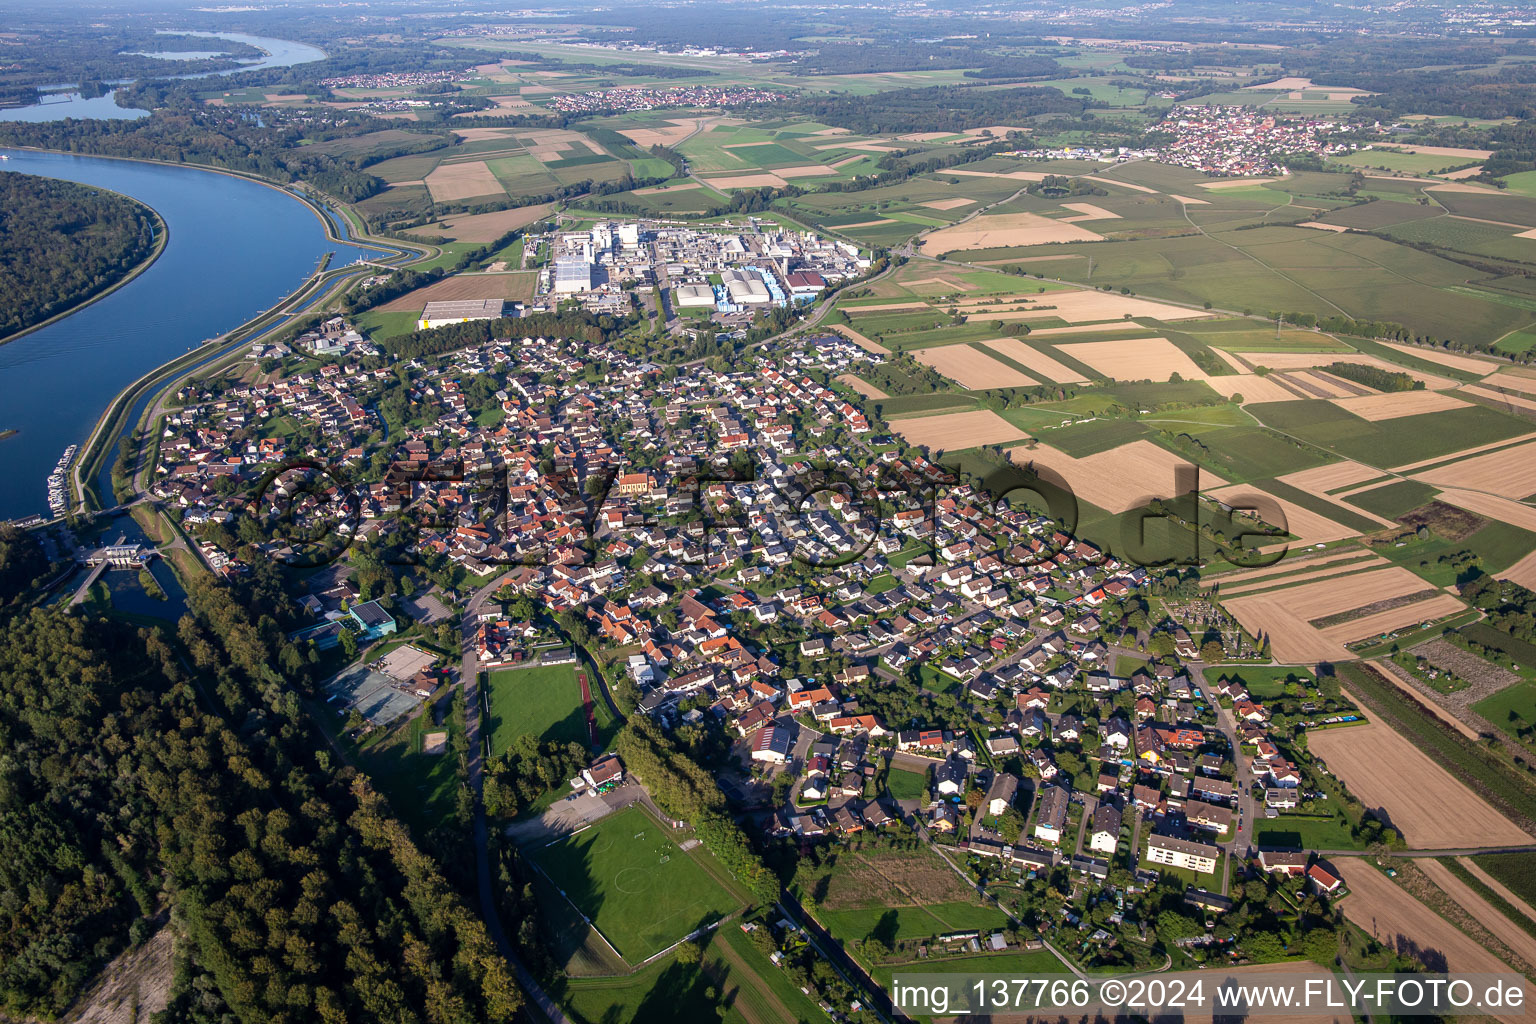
<point>235,248</point>
<point>279,53</point>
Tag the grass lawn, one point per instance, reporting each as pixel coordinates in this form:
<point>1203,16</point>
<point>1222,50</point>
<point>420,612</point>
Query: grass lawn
<point>1296,831</point>
<point>634,883</point>
<point>420,787</point>
<point>1263,682</point>
<point>543,701</point>
<point>1511,709</point>
<point>377,324</point>
<point>910,922</point>
<point>906,785</point>
<point>661,993</point>
<point>1013,962</point>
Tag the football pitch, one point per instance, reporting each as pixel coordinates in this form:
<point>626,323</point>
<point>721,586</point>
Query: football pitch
<point>635,885</point>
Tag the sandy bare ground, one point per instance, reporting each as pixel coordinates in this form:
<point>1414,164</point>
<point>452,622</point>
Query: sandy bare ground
<point>971,368</point>
<point>1035,361</point>
<point>863,387</point>
<point>1005,230</point>
<point>1499,397</point>
<point>1307,360</point>
<point>1332,477</point>
<point>1395,404</point>
<point>448,182</point>
<point>1464,453</point>
<point>1380,623</point>
<point>1397,919</point>
<point>1510,473</point>
<point>514,286</point>
<point>1497,886</point>
<point>1087,211</point>
<point>1135,359</point>
<point>487,227</point>
<point>1491,506</point>
<point>1010,175</point>
<point>955,431</point>
<point>948,204</point>
<point>859,340</point>
<point>1522,572</point>
<point>1520,941</point>
<point>1188,201</point>
<point>1236,182</point>
<point>1122,478</point>
<point>135,985</point>
<point>1471,364</point>
<point>760,180</point>
<point>1286,565</point>
<point>658,189</point>
<point>1326,572</point>
<point>1431,807</point>
<point>1285,615</point>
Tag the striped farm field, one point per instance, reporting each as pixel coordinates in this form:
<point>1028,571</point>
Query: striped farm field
<point>1510,472</point>
<point>972,368</point>
<point>1396,404</point>
<point>1034,360</point>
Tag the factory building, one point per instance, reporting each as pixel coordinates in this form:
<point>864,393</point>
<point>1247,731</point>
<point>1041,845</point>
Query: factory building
<point>693,296</point>
<point>459,311</point>
<point>572,276</point>
<point>745,288</point>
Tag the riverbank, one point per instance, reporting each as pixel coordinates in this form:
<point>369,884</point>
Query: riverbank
<point>162,236</point>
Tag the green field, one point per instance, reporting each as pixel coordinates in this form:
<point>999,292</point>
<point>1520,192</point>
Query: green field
<point>1394,499</point>
<point>635,885</point>
<point>421,788</point>
<point>543,702</point>
<point>1511,710</point>
<point>1388,442</point>
<point>896,923</point>
<point>1306,832</point>
<point>906,785</point>
<point>1515,870</point>
<point>1011,963</point>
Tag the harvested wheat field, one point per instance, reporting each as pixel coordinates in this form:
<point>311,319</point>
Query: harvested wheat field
<point>1136,359</point>
<point>804,171</point>
<point>1251,386</point>
<point>1187,201</point>
<point>947,204</point>
<point>1289,84</point>
<point>1522,572</point>
<point>1395,404</point>
<point>1491,506</point>
<point>1285,565</point>
<point>1512,381</point>
<point>1432,808</point>
<point>1470,364</point>
<point>1451,151</point>
<point>1011,175</point>
<point>1520,941</point>
<point>517,287</point>
<point>1004,230</point>
<point>685,186</point>
<point>1035,361</point>
<point>1307,526</point>
<point>1054,332</point>
<point>1123,184</point>
<point>1325,572</point>
<point>972,369</point>
<point>1464,453</point>
<point>1307,360</point>
<point>761,180</point>
<point>884,307</point>
<point>448,182</point>
<point>863,387</point>
<point>1382,908</point>
<point>1513,402</point>
<point>1497,886</point>
<point>1118,480</point>
<point>1382,623</point>
<point>1087,211</point>
<point>1084,306</point>
<point>1286,615</point>
<point>1510,473</point>
<point>866,224</point>
<point>675,130</point>
<point>863,147</point>
<point>1340,228</point>
<point>1333,477</point>
<point>955,431</point>
<point>1236,182</point>
<point>487,227</point>
<point>859,340</point>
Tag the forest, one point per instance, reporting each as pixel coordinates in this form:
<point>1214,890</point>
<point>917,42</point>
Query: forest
<point>154,771</point>
<point>61,243</point>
